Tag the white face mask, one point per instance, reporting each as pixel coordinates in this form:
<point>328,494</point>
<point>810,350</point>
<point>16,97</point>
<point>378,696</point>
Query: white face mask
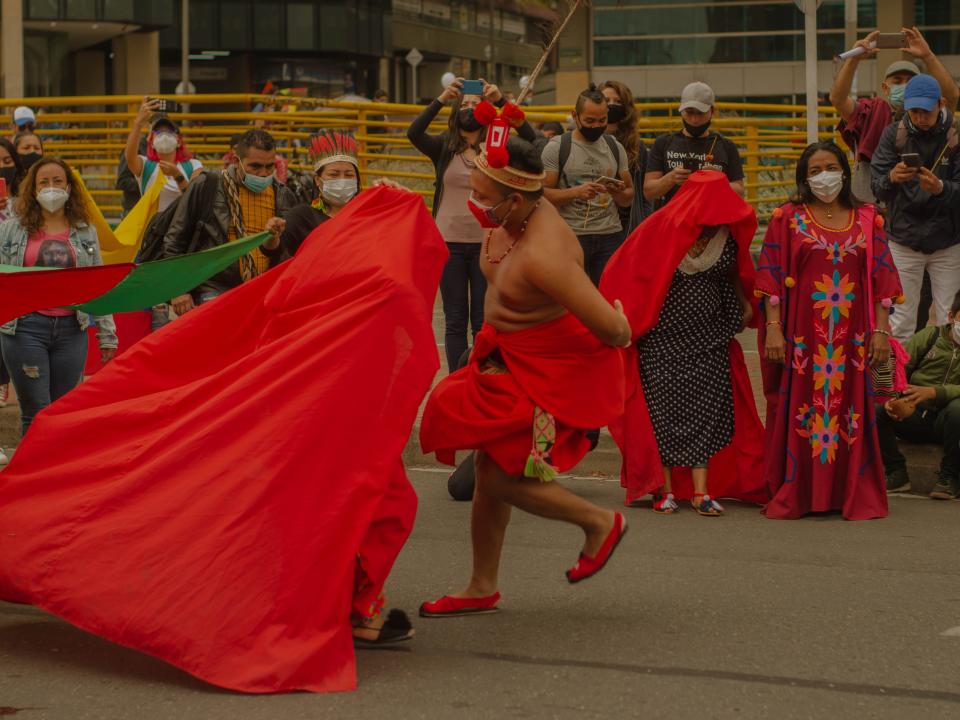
<point>165,143</point>
<point>52,199</point>
<point>827,185</point>
<point>340,190</point>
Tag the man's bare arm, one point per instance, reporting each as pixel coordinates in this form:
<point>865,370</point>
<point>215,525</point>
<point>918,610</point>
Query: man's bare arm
<point>558,275</point>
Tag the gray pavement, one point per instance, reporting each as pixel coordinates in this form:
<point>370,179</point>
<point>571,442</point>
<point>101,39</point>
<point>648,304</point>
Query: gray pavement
<point>737,617</point>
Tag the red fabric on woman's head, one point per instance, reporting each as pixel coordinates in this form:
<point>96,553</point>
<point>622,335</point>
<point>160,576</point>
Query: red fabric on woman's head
<point>640,272</point>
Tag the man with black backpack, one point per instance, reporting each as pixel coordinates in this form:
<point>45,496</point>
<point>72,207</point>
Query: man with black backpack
<point>588,176</point>
<point>916,172</point>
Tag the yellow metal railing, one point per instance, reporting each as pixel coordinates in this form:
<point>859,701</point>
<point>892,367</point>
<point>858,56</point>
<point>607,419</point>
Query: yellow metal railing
<point>90,132</point>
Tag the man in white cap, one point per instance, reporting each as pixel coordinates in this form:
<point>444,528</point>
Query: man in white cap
<point>676,155</point>
<point>24,120</point>
<point>864,119</point>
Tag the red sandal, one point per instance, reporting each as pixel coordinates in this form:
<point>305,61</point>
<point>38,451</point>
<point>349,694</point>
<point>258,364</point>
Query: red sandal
<point>448,606</point>
<point>589,566</point>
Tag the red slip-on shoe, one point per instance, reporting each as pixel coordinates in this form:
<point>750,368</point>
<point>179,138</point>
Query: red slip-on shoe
<point>589,566</point>
<point>454,607</point>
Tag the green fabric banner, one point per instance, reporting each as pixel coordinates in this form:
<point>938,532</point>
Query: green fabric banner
<point>153,283</point>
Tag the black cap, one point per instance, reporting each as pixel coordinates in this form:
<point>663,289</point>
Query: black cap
<point>164,120</point>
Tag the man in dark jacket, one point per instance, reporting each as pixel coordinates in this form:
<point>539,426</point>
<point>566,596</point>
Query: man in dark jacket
<point>220,207</point>
<point>916,173</point>
<point>934,396</point>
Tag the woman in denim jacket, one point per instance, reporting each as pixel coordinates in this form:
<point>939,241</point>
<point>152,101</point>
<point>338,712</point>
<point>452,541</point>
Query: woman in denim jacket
<point>46,350</point>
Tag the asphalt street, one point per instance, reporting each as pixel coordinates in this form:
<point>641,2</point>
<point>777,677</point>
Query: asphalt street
<point>736,617</point>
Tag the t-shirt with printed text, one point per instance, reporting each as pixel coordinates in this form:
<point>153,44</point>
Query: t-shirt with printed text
<point>710,152</point>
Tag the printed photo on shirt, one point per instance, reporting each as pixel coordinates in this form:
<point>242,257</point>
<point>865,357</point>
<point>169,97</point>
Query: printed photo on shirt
<point>55,254</point>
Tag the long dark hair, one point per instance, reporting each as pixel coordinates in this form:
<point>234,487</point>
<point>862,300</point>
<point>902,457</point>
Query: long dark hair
<point>29,210</point>
<point>627,131</point>
<point>14,188</point>
<point>804,195</point>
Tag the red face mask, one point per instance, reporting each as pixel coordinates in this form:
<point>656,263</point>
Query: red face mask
<point>485,214</point>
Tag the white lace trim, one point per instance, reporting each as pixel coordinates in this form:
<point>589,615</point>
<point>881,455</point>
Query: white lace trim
<point>710,255</point>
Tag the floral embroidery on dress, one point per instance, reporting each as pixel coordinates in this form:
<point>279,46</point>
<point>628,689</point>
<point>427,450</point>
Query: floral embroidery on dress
<point>825,438</point>
<point>833,297</point>
<point>799,361</point>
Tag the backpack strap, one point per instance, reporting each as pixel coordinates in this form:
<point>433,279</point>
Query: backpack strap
<point>149,166</point>
<point>900,143</point>
<point>612,144</point>
<point>566,145</point>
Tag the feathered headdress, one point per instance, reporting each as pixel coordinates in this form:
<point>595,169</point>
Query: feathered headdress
<point>329,146</point>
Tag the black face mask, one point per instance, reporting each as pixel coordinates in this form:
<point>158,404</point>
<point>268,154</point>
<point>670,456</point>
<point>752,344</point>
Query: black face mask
<point>28,159</point>
<point>467,121</point>
<point>592,134</point>
<point>615,113</point>
<point>8,174</point>
<point>696,130</point>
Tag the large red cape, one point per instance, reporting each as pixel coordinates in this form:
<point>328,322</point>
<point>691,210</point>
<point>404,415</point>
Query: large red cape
<point>559,366</point>
<point>639,275</point>
<point>222,494</point>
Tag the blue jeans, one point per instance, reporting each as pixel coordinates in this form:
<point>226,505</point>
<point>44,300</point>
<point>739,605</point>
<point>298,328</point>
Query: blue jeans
<point>462,287</point>
<point>597,251</point>
<point>46,359</point>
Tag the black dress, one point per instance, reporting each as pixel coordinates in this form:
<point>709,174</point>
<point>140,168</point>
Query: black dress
<point>685,363</point>
<point>301,221</point>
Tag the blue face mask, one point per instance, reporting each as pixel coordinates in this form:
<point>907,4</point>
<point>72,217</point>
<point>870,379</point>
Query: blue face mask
<point>896,95</point>
<point>255,183</point>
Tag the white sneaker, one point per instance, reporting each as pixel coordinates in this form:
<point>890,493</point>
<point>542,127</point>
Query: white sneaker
<point>3,458</point>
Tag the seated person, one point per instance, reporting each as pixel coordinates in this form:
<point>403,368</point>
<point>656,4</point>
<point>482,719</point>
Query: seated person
<point>929,410</point>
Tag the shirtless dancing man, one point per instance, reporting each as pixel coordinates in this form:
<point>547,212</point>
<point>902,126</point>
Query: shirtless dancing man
<point>545,367</point>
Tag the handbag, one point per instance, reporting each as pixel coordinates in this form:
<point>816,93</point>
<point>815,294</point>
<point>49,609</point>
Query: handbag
<point>889,378</point>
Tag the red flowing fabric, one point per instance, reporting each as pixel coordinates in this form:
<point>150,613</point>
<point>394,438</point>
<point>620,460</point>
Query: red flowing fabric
<point>559,366</point>
<point>28,291</point>
<point>132,327</point>
<point>639,275</point>
<point>248,492</point>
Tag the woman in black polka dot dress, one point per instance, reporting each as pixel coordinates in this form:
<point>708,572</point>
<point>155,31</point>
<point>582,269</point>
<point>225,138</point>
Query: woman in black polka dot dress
<point>685,365</point>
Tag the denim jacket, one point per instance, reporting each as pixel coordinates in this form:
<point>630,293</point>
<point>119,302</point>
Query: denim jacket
<point>13,247</point>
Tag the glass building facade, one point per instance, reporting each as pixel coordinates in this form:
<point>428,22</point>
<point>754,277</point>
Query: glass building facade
<point>692,32</point>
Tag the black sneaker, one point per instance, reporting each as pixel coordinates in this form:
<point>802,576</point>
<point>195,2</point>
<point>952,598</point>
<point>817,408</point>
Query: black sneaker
<point>898,481</point>
<point>945,490</point>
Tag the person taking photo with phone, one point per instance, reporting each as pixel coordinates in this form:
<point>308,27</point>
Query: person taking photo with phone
<point>454,152</point>
<point>916,173</point>
<point>675,156</point>
<point>166,152</point>
<point>588,179</point>
<point>864,119</point>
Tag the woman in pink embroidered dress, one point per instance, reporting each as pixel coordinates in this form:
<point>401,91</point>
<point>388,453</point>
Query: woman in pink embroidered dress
<point>824,264</point>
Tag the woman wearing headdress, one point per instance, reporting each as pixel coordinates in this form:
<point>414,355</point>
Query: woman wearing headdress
<point>337,174</point>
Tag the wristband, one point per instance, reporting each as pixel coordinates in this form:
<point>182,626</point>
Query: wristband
<point>774,322</point>
<point>878,331</point>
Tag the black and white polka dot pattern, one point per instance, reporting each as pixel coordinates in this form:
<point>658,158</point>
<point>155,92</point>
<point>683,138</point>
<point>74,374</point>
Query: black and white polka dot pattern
<point>685,364</point>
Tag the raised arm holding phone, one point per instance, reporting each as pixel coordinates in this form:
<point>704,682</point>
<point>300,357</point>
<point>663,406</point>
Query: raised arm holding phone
<point>916,172</point>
